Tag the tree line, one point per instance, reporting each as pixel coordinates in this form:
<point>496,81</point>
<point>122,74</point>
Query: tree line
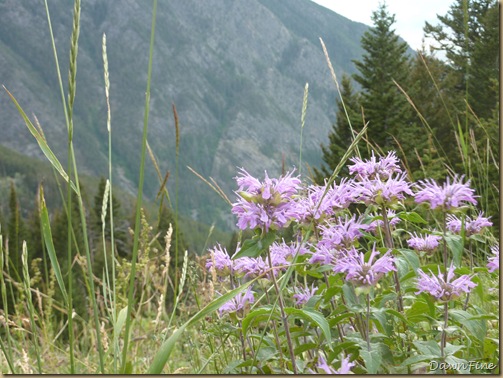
<point>440,114</point>
<point>18,228</point>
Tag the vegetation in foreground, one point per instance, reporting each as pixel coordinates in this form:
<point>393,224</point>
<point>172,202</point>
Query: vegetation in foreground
<point>387,265</point>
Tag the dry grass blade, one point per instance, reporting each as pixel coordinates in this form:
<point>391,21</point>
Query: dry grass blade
<point>177,129</point>
<point>217,189</point>
<point>159,175</point>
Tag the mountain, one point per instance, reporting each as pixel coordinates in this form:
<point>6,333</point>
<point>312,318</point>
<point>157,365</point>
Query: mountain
<point>235,70</point>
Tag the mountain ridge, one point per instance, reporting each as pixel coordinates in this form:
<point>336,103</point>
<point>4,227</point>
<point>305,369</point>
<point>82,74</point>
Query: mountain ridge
<point>234,70</point>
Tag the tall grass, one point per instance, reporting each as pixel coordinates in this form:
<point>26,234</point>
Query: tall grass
<point>130,332</point>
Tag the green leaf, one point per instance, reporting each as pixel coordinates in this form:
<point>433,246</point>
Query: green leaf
<point>349,294</point>
<point>411,257</point>
<point>47,236</point>
<point>255,246</point>
<point>452,349</point>
<point>313,316</point>
<point>382,318</point>
<point>476,327</point>
<point>41,142</point>
<point>121,319</point>
<point>396,314</point>
<point>129,368</point>
<point>412,217</point>
<point>346,346</point>
<point>266,354</point>
<point>166,348</point>
<point>258,314</point>
<point>455,245</point>
<point>429,347</point>
<point>458,364</point>
<point>372,360</point>
<point>490,348</point>
<point>419,358</point>
<point>418,311</point>
<point>304,347</point>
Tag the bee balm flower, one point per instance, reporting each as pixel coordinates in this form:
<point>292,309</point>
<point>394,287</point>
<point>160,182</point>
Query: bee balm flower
<point>266,204</point>
<point>448,196</point>
<point>444,288</point>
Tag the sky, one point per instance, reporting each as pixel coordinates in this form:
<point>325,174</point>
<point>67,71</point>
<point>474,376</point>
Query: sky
<point>410,15</point>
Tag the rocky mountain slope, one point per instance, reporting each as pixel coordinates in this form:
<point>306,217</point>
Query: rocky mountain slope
<point>235,70</point>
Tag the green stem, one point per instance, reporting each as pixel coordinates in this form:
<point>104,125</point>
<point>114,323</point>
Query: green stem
<point>443,341</point>
<point>388,242</point>
<point>139,198</point>
<point>368,322</point>
<point>283,315</point>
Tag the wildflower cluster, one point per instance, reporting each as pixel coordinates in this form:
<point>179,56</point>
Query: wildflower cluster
<point>334,254</point>
<point>442,286</point>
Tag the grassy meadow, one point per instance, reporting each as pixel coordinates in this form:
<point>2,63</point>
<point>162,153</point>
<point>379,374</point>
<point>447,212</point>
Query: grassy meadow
<point>375,272</point>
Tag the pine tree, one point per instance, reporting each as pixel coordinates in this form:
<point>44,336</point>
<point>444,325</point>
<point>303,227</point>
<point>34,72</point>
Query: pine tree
<point>341,135</point>
<point>469,36</point>
<point>433,116</point>
<point>384,61</point>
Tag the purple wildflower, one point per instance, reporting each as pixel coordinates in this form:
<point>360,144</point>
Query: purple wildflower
<point>341,234</point>
<point>344,369</point>
<point>267,204</point>
<point>256,266</point>
<point>323,255</point>
<point>251,266</point>
<point>448,196</point>
<point>316,205</point>
<point>375,191</point>
<point>373,169</point>
<point>365,273</point>
<point>220,260</point>
<point>303,295</point>
<point>494,260</point>
<point>424,243</point>
<point>472,226</point>
<point>287,251</point>
<point>238,303</point>
<point>443,288</point>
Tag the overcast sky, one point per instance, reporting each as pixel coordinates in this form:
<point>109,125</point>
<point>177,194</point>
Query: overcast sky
<point>410,15</point>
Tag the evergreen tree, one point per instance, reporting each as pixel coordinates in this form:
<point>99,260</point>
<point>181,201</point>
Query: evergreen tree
<point>433,116</point>
<point>469,36</point>
<point>341,135</point>
<point>384,61</point>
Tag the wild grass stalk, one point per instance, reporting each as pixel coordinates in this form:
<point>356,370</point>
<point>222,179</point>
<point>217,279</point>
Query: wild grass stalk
<point>177,163</point>
<point>124,366</point>
<point>302,123</point>
<point>112,283</point>
<point>31,308</point>
<point>7,350</point>
<point>336,82</point>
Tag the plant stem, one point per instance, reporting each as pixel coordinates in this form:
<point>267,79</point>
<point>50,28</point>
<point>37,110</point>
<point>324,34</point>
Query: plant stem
<point>443,341</point>
<point>139,198</point>
<point>283,315</point>
<point>368,322</point>
<point>444,234</point>
<point>388,242</point>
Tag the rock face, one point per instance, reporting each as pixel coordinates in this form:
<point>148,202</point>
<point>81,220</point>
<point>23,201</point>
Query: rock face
<point>234,69</point>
